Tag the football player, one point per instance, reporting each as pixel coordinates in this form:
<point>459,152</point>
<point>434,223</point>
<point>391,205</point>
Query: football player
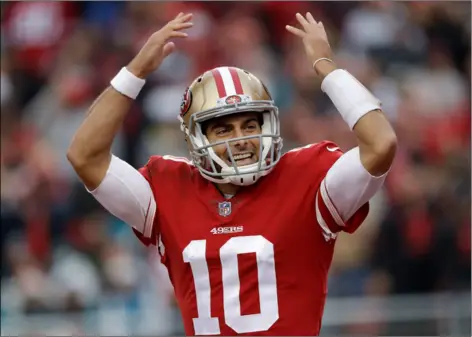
<point>246,233</point>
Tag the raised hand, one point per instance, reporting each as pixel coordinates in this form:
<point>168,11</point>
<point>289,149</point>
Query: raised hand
<point>314,38</point>
<point>158,46</point>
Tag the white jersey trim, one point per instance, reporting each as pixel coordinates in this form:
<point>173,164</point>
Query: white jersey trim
<point>126,194</point>
<point>329,204</point>
<point>328,235</point>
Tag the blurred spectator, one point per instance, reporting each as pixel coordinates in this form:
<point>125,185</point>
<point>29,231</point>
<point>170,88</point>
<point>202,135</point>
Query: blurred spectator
<point>34,31</point>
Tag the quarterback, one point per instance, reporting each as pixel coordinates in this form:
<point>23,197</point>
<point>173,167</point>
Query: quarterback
<point>247,233</point>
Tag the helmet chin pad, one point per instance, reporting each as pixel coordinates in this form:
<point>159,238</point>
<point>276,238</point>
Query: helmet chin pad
<point>241,179</point>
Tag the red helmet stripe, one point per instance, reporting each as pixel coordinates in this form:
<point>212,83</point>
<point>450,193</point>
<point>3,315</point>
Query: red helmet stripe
<point>238,87</point>
<point>219,83</point>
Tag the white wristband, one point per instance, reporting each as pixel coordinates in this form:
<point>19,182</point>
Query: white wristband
<point>349,96</point>
<point>127,83</point>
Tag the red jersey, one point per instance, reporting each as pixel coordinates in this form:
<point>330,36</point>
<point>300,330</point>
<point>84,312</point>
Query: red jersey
<point>257,263</point>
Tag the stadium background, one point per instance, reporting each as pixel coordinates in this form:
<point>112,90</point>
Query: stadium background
<point>69,267</point>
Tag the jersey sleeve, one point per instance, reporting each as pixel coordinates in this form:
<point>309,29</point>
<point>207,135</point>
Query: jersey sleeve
<point>151,235</point>
<point>339,202</point>
<point>342,198</point>
<point>128,196</point>
<point>348,171</point>
<point>165,175</point>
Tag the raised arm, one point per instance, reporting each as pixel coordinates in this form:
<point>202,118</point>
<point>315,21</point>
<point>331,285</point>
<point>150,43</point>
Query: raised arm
<point>90,150</point>
<point>359,108</point>
<point>358,174</point>
<point>120,188</point>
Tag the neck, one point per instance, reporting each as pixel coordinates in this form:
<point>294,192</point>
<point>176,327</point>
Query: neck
<point>228,188</point>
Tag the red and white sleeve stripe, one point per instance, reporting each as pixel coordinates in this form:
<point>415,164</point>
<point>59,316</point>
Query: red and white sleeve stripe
<point>326,214</point>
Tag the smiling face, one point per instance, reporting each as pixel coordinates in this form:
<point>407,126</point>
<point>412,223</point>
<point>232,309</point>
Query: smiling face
<point>244,151</point>
<point>224,104</point>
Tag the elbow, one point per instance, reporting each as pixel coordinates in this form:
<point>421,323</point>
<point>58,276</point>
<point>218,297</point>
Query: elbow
<point>75,158</point>
<point>379,158</point>
<point>83,160</point>
<point>77,155</point>
<point>385,155</point>
<point>387,148</point>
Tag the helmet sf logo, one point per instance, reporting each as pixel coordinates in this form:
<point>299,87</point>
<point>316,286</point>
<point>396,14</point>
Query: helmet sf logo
<point>233,99</point>
<point>186,102</point>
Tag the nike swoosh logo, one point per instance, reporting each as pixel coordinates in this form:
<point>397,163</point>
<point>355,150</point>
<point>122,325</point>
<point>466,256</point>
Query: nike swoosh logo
<point>332,149</point>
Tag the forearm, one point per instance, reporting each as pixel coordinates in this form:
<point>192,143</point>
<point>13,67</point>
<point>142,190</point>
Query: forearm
<point>95,136</point>
<point>90,149</point>
<point>375,136</point>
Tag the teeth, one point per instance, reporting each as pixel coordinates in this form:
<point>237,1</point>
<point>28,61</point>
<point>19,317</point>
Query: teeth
<point>242,156</point>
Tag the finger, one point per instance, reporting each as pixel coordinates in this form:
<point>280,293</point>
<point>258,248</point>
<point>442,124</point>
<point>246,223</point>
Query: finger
<point>179,15</point>
<point>178,34</point>
<point>169,47</point>
<point>183,25</point>
<point>295,31</point>
<point>302,21</point>
<point>185,18</point>
<point>310,18</point>
<point>320,24</point>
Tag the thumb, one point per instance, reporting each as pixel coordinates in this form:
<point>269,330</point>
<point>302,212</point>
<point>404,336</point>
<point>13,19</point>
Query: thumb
<point>169,47</point>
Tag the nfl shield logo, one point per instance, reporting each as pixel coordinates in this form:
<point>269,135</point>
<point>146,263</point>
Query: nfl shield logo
<point>224,208</point>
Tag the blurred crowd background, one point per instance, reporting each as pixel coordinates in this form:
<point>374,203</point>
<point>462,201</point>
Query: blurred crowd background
<point>69,267</point>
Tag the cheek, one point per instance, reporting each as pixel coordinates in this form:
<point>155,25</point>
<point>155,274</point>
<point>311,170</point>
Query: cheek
<point>219,149</point>
<point>256,143</point>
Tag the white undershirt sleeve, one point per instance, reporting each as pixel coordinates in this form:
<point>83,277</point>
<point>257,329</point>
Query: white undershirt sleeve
<point>126,194</point>
<point>348,185</point>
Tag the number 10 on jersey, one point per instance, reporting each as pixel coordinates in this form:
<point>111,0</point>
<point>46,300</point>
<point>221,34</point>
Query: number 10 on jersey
<point>204,324</point>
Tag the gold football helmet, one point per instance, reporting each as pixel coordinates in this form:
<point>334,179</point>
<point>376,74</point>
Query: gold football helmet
<point>220,92</point>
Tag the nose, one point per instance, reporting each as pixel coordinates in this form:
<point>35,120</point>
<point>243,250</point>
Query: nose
<point>238,132</point>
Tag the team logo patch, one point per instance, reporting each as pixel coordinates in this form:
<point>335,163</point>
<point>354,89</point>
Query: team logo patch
<point>233,99</point>
<point>186,102</point>
<point>224,208</point>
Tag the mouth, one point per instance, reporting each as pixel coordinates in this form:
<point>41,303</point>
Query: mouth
<point>242,159</point>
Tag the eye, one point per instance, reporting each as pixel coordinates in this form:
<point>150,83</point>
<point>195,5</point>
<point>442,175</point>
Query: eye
<point>251,126</point>
<point>221,131</point>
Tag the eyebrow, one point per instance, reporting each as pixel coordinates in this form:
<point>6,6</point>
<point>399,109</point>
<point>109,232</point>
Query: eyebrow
<point>252,119</point>
<point>222,123</point>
